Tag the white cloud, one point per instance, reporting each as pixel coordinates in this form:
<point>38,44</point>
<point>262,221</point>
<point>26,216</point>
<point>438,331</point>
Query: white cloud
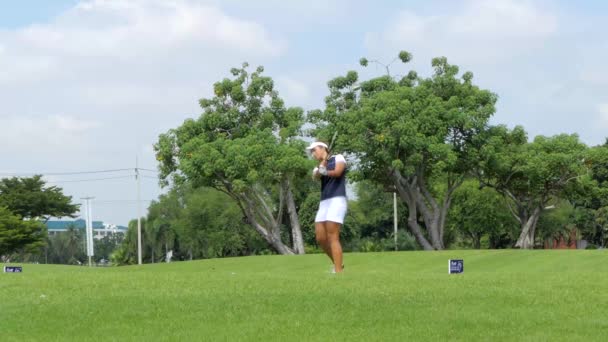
<point>128,31</point>
<point>148,149</point>
<point>480,31</point>
<point>71,125</point>
<point>603,114</point>
<point>116,60</point>
<point>156,25</point>
<point>50,136</point>
<point>295,92</point>
<point>503,18</point>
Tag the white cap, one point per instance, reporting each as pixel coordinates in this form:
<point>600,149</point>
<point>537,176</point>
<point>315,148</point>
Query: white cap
<point>315,144</point>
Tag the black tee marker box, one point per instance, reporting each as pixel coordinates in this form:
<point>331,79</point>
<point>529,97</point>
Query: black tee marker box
<point>455,266</point>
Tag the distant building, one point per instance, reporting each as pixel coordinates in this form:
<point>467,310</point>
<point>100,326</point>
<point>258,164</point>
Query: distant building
<point>100,229</point>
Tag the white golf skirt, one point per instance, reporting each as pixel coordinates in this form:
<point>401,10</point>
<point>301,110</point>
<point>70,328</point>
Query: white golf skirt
<point>332,209</point>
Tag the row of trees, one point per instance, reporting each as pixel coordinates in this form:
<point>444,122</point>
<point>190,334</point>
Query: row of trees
<point>192,224</point>
<point>196,223</point>
<point>429,139</point>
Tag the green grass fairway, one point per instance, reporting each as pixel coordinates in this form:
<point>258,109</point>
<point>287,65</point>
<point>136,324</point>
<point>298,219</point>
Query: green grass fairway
<point>503,295</point>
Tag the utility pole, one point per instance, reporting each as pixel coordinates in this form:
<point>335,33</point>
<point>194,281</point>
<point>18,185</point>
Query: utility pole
<point>89,227</point>
<point>395,216</point>
<point>138,179</point>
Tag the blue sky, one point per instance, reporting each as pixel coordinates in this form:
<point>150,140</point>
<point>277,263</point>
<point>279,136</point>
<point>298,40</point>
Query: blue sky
<point>16,14</point>
<point>90,84</point>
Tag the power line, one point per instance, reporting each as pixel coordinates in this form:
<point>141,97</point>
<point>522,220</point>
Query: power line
<point>63,173</point>
<point>90,180</point>
<point>83,172</point>
<point>122,200</point>
<point>68,173</point>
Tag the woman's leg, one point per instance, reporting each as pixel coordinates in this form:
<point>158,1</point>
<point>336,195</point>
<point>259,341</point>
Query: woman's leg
<point>321,235</point>
<point>333,236</point>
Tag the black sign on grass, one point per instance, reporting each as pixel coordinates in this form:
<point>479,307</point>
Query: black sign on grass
<point>13,269</point>
<point>455,266</point>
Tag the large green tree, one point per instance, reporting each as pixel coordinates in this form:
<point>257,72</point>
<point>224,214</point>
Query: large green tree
<point>160,233</point>
<point>246,145</point>
<point>590,196</point>
<point>30,198</point>
<point>479,213</point>
<point>19,235</point>
<point>532,176</point>
<point>411,133</point>
<point>211,226</point>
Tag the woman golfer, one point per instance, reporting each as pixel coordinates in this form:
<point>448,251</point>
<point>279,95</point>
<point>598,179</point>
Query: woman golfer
<point>332,208</point>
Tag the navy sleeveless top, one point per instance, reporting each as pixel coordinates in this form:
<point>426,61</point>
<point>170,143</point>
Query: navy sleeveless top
<point>333,186</point>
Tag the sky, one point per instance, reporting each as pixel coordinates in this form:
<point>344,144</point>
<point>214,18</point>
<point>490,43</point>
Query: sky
<point>88,85</point>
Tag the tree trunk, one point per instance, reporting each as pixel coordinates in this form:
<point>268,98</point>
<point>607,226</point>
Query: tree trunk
<point>270,231</point>
<point>296,231</point>
<point>273,239</point>
<point>526,237</point>
<point>418,199</point>
<point>405,193</point>
<point>433,229</point>
<point>476,241</point>
<point>415,229</point>
<point>259,214</point>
